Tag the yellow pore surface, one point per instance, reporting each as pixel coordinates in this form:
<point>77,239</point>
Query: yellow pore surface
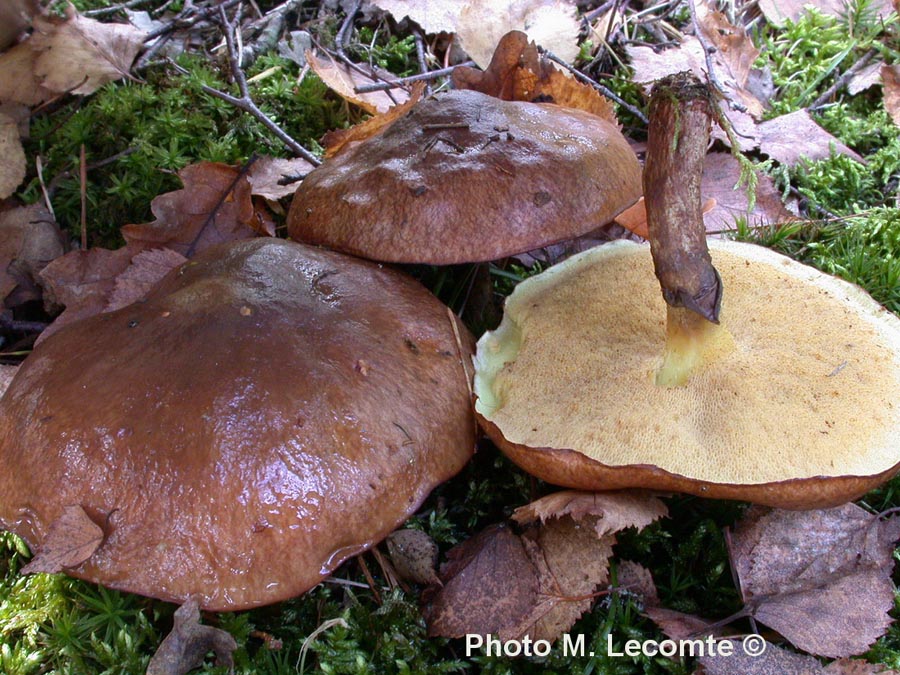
<point>811,388</point>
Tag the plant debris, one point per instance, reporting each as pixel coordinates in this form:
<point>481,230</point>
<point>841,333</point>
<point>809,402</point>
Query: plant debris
<point>186,647</point>
<point>540,582</point>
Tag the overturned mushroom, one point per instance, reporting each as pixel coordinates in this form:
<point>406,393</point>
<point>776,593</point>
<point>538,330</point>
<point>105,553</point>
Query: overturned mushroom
<point>267,412</point>
<point>465,177</point>
<point>801,413</point>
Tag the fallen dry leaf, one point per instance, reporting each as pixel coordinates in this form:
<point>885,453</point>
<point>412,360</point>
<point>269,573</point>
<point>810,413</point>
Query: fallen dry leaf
<point>734,56</point>
<point>489,582</point>
<point>517,72</point>
<point>337,140</point>
<point>99,280</point>
<point>637,580</point>
<point>890,76</point>
<point>187,645</point>
<point>792,137</point>
<point>79,55</point>
<point>214,206</point>
<point>81,281</point>
<point>540,582</point>
<point>777,661</point>
<point>15,17</point>
<point>70,540</point>
<point>551,24</point>
<point>609,511</point>
<point>144,272</point>
<point>70,54</point>
<point>17,79</point>
<point>342,79</point>
<point>821,578</point>
<point>721,172</point>
<point>867,77</point>
<point>12,169</point>
<point>650,66</point>
<point>266,172</point>
<point>479,24</point>
<point>571,562</point>
<point>773,661</point>
<point>414,555</point>
<point>29,240</point>
<point>779,11</point>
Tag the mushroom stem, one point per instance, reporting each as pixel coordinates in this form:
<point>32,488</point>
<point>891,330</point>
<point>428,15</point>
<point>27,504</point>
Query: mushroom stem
<point>680,114</point>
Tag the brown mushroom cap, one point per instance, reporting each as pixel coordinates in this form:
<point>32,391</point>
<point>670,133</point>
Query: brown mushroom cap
<point>268,411</point>
<point>465,177</point>
<point>801,414</point>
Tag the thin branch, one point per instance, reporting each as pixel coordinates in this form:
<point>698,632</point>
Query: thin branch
<point>403,81</point>
<point>102,11</point>
<point>844,79</point>
<point>596,85</point>
<point>245,101</point>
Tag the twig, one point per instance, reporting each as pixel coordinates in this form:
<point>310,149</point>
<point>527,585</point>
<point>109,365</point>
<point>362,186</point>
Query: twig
<point>341,39</point>
<point>114,8</point>
<point>245,102</point>
<point>844,79</point>
<point>596,85</point>
<point>39,165</point>
<point>185,19</point>
<point>422,58</point>
<point>55,181</point>
<point>403,81</point>
<point>20,326</point>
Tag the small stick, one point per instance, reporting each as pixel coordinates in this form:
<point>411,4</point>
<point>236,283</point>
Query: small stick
<point>608,93</point>
<point>403,81</point>
<point>369,578</point>
<point>245,102</point>
<point>844,79</point>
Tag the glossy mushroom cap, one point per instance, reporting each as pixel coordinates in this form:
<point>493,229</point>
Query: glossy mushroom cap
<point>267,412</point>
<point>802,413</point>
<point>465,177</point>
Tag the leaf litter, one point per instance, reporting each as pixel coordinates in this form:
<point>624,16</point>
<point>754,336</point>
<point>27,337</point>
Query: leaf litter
<point>539,582</point>
<point>821,578</point>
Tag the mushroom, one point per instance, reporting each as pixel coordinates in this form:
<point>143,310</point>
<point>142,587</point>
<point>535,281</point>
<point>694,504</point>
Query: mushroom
<point>267,412</point>
<point>801,412</point>
<point>465,177</point>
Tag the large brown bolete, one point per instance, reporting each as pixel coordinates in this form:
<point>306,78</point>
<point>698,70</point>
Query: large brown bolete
<point>465,177</point>
<point>801,411</point>
<point>268,411</point>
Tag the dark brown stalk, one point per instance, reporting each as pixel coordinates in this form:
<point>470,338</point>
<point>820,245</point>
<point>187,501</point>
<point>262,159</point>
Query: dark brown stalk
<point>680,117</point>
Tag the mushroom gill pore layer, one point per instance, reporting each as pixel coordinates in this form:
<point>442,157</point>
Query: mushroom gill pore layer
<point>466,177</point>
<point>804,412</point>
<point>267,412</point>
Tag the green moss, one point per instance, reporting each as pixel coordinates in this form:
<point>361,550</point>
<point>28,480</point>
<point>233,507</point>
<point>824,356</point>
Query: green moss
<point>157,127</point>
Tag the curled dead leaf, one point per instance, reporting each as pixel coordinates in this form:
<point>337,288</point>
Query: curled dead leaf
<point>187,645</point>
<point>337,140</point>
<point>517,72</point>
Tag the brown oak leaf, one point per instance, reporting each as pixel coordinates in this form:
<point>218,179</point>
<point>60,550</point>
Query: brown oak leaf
<point>215,206</point>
